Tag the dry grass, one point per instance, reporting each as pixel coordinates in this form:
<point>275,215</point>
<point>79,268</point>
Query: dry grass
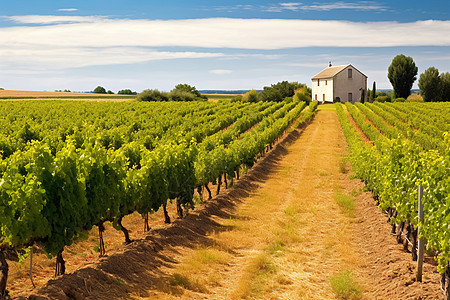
<point>346,203</point>
<point>289,237</point>
<point>345,286</point>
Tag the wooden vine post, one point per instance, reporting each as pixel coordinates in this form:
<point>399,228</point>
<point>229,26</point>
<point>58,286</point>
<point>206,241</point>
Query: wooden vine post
<point>421,245</point>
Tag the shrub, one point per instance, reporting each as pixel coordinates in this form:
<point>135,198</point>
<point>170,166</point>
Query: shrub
<point>383,99</point>
<point>183,87</point>
<point>302,94</point>
<point>399,100</point>
<point>237,98</point>
<point>153,95</point>
<point>250,96</point>
<point>179,95</point>
<point>414,98</point>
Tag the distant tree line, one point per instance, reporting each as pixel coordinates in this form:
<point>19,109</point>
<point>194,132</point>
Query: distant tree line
<point>284,90</point>
<point>101,90</point>
<point>181,92</point>
<point>433,86</point>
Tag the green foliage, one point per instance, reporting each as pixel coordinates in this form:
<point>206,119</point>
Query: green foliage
<point>363,95</point>
<point>346,203</point>
<point>302,94</point>
<point>414,98</point>
<point>429,84</point>
<point>182,92</point>
<point>399,99</point>
<point>101,161</point>
<point>345,286</point>
<point>250,96</point>
<point>382,99</point>
<point>374,91</point>
<point>237,98</point>
<point>400,159</point>
<point>99,90</point>
<point>152,95</point>
<point>186,88</point>
<point>444,87</point>
<point>126,92</point>
<point>181,95</point>
<point>277,92</point>
<point>402,73</point>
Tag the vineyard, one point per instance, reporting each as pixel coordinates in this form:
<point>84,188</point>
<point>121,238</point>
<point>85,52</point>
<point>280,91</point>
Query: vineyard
<point>393,148</point>
<point>66,167</point>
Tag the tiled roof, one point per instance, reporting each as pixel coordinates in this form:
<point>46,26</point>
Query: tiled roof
<point>329,72</point>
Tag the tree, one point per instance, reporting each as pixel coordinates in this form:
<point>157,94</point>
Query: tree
<point>126,92</point>
<point>444,86</point>
<point>402,73</point>
<point>153,95</point>
<point>183,87</point>
<point>100,90</point>
<point>279,91</point>
<point>429,84</point>
<point>251,96</point>
<point>363,95</point>
<point>374,91</point>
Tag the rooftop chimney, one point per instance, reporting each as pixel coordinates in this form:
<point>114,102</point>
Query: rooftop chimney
<point>329,64</point>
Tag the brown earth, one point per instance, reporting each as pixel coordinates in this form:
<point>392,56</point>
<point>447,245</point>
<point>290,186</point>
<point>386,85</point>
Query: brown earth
<point>278,233</point>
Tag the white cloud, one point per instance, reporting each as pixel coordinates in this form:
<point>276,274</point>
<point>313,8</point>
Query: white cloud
<point>298,6</point>
<point>96,40</point>
<point>60,58</point>
<point>359,6</point>
<point>39,19</point>
<point>222,33</point>
<point>68,9</point>
<point>221,72</point>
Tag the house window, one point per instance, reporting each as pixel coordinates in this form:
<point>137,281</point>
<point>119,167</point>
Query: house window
<point>318,82</point>
<point>326,82</point>
<point>349,73</point>
<point>315,97</point>
<point>350,97</point>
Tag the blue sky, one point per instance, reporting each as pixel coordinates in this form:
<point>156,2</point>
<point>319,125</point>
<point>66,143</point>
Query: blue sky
<point>77,45</point>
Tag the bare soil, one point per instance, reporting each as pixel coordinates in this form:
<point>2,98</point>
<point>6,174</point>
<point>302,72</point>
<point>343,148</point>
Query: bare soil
<point>278,233</point>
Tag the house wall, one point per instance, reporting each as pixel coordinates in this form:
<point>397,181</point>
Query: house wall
<point>344,85</point>
<point>325,87</point>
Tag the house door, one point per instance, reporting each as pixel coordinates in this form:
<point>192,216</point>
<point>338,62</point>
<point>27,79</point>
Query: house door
<point>323,97</point>
<point>350,97</point>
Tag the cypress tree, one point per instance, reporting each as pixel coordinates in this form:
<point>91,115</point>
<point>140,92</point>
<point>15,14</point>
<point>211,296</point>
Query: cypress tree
<point>374,90</point>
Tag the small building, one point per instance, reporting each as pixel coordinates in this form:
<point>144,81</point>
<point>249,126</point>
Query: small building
<point>341,82</point>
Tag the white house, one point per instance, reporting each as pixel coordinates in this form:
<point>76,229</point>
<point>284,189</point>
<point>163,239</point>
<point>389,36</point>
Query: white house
<point>343,82</point>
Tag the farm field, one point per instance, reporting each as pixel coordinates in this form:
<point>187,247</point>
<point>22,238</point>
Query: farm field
<point>288,222</point>
<point>67,166</point>
<point>265,238</point>
<point>21,95</point>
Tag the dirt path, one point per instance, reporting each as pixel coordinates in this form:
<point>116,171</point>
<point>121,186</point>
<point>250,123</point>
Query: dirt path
<point>289,236</point>
<point>287,229</point>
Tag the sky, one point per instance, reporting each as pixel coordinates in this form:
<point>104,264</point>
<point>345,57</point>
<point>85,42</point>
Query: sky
<point>145,44</point>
